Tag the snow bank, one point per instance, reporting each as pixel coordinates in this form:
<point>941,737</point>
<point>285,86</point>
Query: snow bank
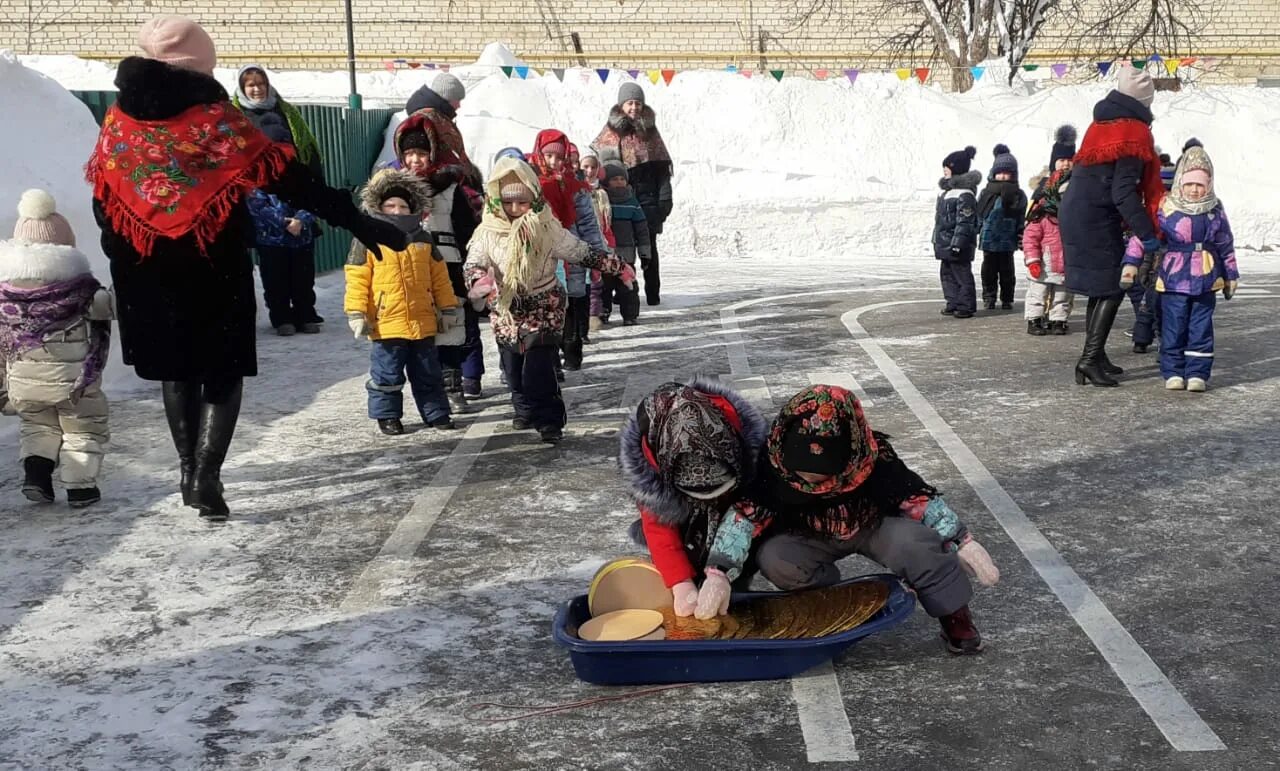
<point>45,139</point>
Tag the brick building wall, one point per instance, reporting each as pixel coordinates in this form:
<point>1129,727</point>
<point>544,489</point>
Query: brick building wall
<point>643,34</point>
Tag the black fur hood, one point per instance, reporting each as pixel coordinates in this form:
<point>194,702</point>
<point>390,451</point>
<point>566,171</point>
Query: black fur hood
<point>153,90</point>
<point>643,126</point>
<point>659,495</point>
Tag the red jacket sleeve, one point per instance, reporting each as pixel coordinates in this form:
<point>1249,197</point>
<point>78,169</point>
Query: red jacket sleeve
<point>666,549</point>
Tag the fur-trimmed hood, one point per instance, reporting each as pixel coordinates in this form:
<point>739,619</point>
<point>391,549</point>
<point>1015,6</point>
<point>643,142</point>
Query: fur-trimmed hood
<point>420,191</point>
<point>152,90</point>
<point>36,264</point>
<point>967,181</point>
<point>660,496</point>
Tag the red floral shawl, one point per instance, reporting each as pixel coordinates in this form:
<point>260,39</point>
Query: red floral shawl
<point>1111,140</point>
<point>184,175</point>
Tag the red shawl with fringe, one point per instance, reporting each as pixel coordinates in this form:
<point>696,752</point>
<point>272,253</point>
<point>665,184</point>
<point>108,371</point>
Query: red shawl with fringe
<point>1109,141</point>
<point>184,175</point>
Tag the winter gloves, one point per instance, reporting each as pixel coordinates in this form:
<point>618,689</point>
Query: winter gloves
<point>359,327</point>
<point>710,601</point>
<point>1127,276</point>
<point>446,320</point>
<point>1229,289</point>
<point>977,562</point>
<point>685,595</point>
<point>629,276</point>
<point>1035,269</point>
<point>481,290</point>
<point>1151,245</point>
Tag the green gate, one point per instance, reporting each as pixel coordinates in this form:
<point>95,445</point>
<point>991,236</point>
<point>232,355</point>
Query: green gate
<point>350,141</point>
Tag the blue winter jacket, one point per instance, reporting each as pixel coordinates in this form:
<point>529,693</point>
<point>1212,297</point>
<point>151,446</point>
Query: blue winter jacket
<point>955,224</point>
<point>269,215</point>
<point>1001,230</point>
<point>587,228</point>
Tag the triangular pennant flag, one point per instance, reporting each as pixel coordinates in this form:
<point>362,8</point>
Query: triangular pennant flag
<point>414,65</point>
<point>903,74</point>
<point>1030,67</point>
<point>667,75</point>
<point>429,66</point>
<point>559,73</point>
<point>1139,63</point>
<point>1156,58</point>
<point>390,65</point>
<point>654,76</point>
<point>745,73</point>
<point>585,75</point>
<point>977,72</point>
<point>922,74</point>
<point>507,70</point>
<point>1186,61</point>
<point>400,61</point>
<point>633,73</point>
<point>523,72</point>
<point>1171,65</point>
<point>777,75</point>
<point>444,68</point>
<point>1059,70</point>
<point>731,68</point>
<point>820,74</point>
<point>852,75</point>
<point>1104,68</point>
<point>604,75</point>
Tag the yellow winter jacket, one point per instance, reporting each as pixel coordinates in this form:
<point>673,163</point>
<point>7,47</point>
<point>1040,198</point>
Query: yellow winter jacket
<point>400,293</point>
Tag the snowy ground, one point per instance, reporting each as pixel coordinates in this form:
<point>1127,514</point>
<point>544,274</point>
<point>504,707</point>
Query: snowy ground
<point>368,590</point>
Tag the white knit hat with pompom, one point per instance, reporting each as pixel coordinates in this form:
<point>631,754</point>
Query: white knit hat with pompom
<point>39,221</point>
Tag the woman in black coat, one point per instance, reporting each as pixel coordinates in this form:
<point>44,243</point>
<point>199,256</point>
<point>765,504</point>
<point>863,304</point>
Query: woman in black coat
<point>1115,187</point>
<point>169,195</point>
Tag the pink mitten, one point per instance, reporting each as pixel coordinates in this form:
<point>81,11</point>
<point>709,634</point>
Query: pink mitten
<point>713,597</point>
<point>977,563</point>
<point>628,275</point>
<point>685,594</point>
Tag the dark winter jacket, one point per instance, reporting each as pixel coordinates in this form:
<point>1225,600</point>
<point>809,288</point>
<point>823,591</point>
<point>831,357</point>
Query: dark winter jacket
<point>270,216</point>
<point>1100,201</point>
<point>425,98</point>
<point>630,140</point>
<point>630,227</point>
<point>955,224</point>
<point>1003,210</point>
<point>184,315</point>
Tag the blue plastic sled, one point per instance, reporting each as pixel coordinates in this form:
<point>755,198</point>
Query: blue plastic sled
<point>710,661</point>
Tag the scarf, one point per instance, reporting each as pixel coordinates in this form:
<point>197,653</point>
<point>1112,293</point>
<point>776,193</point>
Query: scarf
<point>1008,192</point>
<point>1193,158</point>
<point>181,176</point>
<point>873,484</point>
<point>1111,140</point>
<point>1050,199</point>
<point>266,105</point>
<point>527,241</point>
<point>637,141</point>
<point>29,315</point>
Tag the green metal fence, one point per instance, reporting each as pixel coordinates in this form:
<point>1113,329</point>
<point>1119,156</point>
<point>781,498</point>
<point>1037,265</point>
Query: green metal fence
<point>350,141</point>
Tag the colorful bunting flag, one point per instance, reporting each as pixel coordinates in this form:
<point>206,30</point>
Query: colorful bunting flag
<point>604,75</point>
<point>390,65</point>
<point>429,66</point>
<point>903,74</point>
<point>654,76</point>
<point>977,72</point>
<point>1171,65</point>
<point>820,74</point>
<point>414,65</point>
<point>1156,58</point>
<point>731,68</point>
<point>633,73</point>
<point>922,74</point>
<point>1186,61</point>
<point>1030,67</point>
<point>507,70</point>
<point>1139,63</point>
<point>1059,70</point>
<point>1104,68</point>
<point>559,73</point>
<point>852,75</point>
<point>667,75</point>
<point>777,75</point>
<point>745,73</point>
<point>523,72</point>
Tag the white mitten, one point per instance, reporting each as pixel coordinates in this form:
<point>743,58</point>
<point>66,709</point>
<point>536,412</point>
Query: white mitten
<point>685,595</point>
<point>977,562</point>
<point>359,327</point>
<point>103,305</point>
<point>713,597</point>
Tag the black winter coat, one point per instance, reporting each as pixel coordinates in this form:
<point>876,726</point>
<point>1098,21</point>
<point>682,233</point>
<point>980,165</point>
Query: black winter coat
<point>185,315</point>
<point>1096,207</point>
<point>955,223</point>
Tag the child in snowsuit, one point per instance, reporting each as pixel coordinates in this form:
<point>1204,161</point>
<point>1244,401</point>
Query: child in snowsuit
<point>631,232</point>
<point>285,241</point>
<point>400,301</point>
<point>955,232</point>
<point>689,453</point>
<point>1199,260</point>
<point>593,176</point>
<point>829,487</point>
<point>512,263</point>
<point>1047,302</point>
<point>55,329</point>
<point>1002,208</point>
<point>570,201</point>
<point>1143,294</point>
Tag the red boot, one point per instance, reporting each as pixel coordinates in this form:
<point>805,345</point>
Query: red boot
<point>959,633</point>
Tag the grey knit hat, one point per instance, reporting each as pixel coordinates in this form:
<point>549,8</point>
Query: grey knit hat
<point>630,91</point>
<point>449,87</point>
<point>614,169</point>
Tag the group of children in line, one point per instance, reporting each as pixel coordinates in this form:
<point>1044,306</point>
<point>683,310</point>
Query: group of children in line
<point>1172,283</point>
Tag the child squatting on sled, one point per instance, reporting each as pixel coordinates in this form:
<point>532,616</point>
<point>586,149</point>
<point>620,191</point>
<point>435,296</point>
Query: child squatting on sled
<point>722,495</point>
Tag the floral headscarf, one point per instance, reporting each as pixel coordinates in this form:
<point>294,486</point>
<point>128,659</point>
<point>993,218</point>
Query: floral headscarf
<point>825,411</point>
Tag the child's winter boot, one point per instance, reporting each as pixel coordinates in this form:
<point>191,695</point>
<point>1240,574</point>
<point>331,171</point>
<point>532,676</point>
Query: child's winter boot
<point>38,484</point>
<point>1036,327</point>
<point>959,633</point>
<point>82,497</point>
<point>391,426</point>
<point>1059,328</point>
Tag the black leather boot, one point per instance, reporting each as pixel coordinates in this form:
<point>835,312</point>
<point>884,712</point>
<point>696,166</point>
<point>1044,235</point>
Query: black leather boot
<point>1100,316</point>
<point>219,411</point>
<point>182,408</point>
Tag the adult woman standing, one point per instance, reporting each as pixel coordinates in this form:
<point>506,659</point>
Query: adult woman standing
<point>171,171</point>
<point>631,135</point>
<point>1115,184</point>
<point>257,98</point>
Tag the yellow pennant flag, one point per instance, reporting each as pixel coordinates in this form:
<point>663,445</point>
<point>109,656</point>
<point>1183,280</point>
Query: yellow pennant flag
<point>1171,65</point>
<point>903,74</point>
<point>655,76</point>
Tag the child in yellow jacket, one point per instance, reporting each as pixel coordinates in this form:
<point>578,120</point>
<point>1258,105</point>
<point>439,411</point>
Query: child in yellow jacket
<point>400,301</point>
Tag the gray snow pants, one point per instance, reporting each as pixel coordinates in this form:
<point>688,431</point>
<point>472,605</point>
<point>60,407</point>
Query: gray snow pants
<point>907,548</point>
<point>73,434</point>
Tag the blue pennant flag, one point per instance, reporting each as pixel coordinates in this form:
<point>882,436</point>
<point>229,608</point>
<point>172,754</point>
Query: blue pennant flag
<point>977,72</point>
<point>523,72</point>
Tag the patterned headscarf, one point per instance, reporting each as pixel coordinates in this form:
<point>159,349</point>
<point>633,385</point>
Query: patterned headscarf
<point>823,413</point>
<point>1194,159</point>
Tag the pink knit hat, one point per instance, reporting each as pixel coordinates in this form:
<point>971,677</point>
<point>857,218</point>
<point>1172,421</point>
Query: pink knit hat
<point>1196,176</point>
<point>179,41</point>
<point>39,221</point>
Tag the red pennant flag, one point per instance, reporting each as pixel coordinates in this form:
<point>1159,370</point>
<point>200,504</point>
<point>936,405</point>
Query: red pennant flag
<point>390,65</point>
<point>820,74</point>
<point>414,65</point>
<point>745,73</point>
<point>922,73</point>
<point>667,75</point>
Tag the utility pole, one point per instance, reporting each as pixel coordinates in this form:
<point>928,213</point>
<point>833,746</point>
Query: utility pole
<point>353,100</point>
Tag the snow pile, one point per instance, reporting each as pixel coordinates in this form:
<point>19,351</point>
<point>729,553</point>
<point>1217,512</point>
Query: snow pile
<point>45,139</point>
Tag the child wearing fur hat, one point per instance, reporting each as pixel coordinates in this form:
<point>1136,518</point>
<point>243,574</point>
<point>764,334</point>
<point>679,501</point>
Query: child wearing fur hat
<point>830,487</point>
<point>401,301</point>
<point>55,329</point>
<point>1047,305</point>
<point>955,232</point>
<point>631,231</point>
<point>512,265</point>
<point>1002,208</point>
<point>1199,260</point>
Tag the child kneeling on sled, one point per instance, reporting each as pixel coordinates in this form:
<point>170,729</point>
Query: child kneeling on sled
<point>1199,261</point>
<point>400,301</point>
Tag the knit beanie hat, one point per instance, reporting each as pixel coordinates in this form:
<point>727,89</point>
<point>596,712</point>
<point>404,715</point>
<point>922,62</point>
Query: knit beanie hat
<point>553,147</point>
<point>1064,145</point>
<point>1138,84</point>
<point>1005,163</point>
<point>960,160</point>
<point>449,87</point>
<point>516,192</point>
<point>396,191</point>
<point>615,169</point>
<point>414,140</point>
<point>629,91</point>
<point>275,128</point>
<point>39,221</point>
<point>509,152</point>
<point>588,153</point>
<point>178,41</point>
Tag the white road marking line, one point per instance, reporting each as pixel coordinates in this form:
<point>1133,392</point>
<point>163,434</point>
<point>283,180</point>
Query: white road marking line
<point>734,345</point>
<point>828,737</point>
<point>843,379</point>
<point>753,389</point>
<point>398,550</point>
<point>1173,716</point>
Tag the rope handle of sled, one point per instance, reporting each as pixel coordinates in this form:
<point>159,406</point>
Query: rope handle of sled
<point>540,710</point>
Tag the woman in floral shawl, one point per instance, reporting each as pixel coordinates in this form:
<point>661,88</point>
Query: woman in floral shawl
<point>831,487</point>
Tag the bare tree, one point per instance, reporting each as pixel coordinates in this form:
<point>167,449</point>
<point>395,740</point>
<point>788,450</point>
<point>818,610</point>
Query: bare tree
<point>1129,27</point>
<point>36,19</point>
